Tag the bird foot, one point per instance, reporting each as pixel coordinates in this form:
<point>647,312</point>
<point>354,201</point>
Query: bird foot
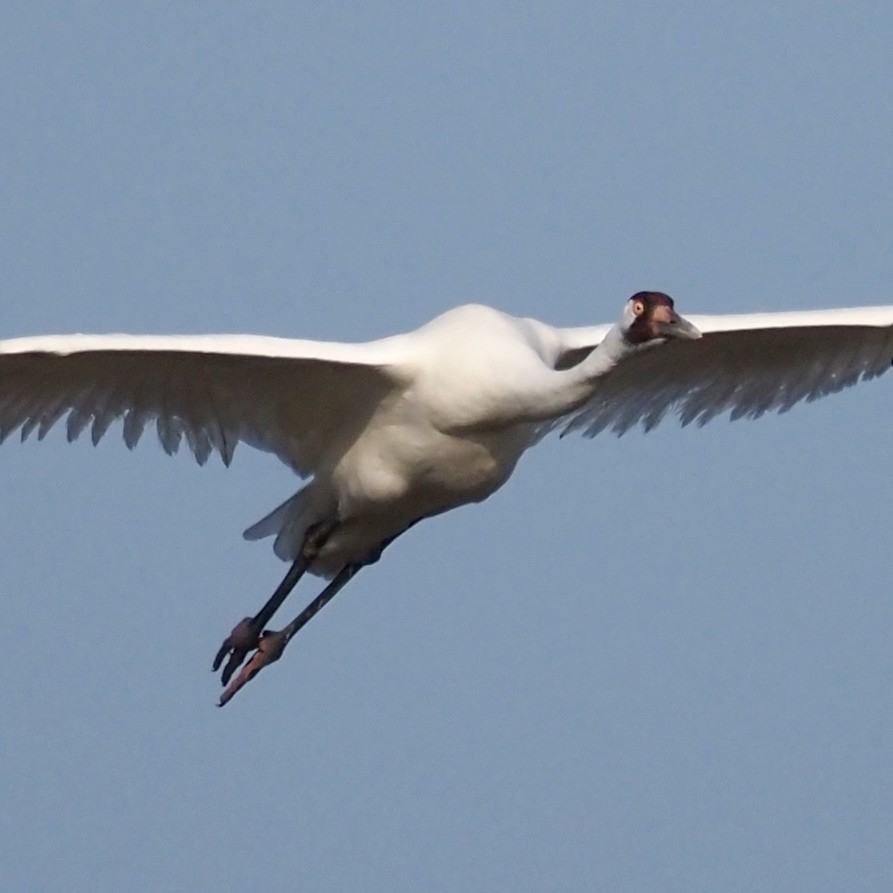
<point>269,650</point>
<point>245,637</point>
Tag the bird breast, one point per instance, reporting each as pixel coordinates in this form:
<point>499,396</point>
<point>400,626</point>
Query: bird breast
<point>451,436</point>
<point>411,471</point>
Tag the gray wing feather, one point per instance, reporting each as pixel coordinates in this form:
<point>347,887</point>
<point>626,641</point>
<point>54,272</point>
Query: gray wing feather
<point>294,407</point>
<point>744,373</point>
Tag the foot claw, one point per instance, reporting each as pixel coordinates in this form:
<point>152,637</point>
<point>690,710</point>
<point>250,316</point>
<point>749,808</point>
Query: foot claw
<point>269,650</point>
<point>237,644</point>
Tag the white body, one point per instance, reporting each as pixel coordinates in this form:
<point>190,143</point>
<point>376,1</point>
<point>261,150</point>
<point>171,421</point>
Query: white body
<point>452,435</point>
<point>399,429</point>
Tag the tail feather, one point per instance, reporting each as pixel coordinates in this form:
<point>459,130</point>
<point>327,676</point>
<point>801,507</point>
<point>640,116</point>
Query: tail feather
<point>288,522</point>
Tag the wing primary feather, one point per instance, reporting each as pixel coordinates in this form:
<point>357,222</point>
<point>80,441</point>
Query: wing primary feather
<point>24,411</point>
<point>43,415</point>
<point>75,424</point>
<point>102,421</point>
<point>217,427</point>
<point>52,413</point>
<point>196,436</point>
<point>168,425</point>
<point>134,421</point>
<point>28,425</point>
<point>134,425</point>
<point>170,433</point>
<point>15,411</point>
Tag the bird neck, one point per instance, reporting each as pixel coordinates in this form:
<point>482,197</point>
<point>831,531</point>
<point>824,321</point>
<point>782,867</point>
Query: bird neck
<point>610,351</point>
<point>552,393</point>
<point>576,385</point>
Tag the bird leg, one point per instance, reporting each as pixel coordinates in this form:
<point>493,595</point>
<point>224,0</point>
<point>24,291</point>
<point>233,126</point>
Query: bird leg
<point>246,634</point>
<point>271,644</point>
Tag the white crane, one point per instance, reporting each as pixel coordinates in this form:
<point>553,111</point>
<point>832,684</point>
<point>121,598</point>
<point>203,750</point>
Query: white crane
<point>396,430</point>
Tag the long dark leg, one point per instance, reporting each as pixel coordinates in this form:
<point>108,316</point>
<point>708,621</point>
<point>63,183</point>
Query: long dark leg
<point>247,632</point>
<point>272,644</point>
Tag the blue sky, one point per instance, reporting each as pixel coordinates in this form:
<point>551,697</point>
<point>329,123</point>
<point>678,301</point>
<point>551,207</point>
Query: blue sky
<point>659,662</point>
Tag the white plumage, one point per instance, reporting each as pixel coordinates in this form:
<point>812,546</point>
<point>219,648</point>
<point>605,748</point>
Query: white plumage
<point>399,429</point>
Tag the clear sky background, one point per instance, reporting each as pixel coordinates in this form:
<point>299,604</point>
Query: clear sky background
<point>654,663</point>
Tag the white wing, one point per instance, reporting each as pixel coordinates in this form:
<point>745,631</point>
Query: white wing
<point>744,365</point>
<point>291,398</point>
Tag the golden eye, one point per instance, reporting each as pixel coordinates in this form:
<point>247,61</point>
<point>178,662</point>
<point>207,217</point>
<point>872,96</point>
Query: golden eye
<point>639,308</point>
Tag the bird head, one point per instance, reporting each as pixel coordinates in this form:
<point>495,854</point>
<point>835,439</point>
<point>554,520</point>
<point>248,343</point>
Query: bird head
<point>649,316</point>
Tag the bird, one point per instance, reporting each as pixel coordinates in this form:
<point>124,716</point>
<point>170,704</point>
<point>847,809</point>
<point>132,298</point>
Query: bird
<point>389,432</point>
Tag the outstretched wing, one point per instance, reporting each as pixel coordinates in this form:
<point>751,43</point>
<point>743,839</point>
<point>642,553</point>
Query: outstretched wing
<point>744,365</point>
<point>296,399</point>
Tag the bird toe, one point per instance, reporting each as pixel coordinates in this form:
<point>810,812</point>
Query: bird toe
<point>269,650</point>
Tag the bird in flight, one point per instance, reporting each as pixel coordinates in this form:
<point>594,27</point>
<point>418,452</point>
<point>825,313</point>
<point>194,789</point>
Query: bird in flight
<point>396,430</point>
